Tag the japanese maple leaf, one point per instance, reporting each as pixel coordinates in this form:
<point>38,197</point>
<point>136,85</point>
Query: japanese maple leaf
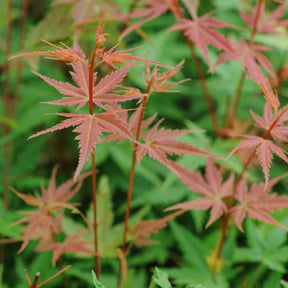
<point>89,127</point>
<point>71,244</point>
<point>158,143</point>
<point>51,199</point>
<point>156,81</point>
<point>202,31</point>
<point>101,91</point>
<point>64,53</point>
<point>280,129</point>
<point>142,231</point>
<point>112,56</point>
<point>257,203</point>
<point>132,122</point>
<point>268,24</point>
<point>211,188</point>
<point>264,150</point>
<point>251,58</point>
<point>151,10</point>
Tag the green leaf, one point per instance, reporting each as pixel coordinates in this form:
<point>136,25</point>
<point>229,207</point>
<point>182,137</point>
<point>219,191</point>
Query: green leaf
<point>161,278</point>
<point>96,283</point>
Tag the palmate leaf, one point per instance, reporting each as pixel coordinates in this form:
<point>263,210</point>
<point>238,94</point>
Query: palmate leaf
<point>143,229</point>
<point>71,244</point>
<point>158,143</point>
<point>202,32</point>
<point>250,56</point>
<point>89,127</point>
<point>102,91</point>
<point>256,203</point>
<point>264,149</point>
<point>212,189</point>
<point>151,10</point>
<point>268,25</point>
<point>51,199</point>
<point>280,129</point>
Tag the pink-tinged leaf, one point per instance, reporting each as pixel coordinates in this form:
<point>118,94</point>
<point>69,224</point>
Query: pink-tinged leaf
<point>132,123</point>
<point>66,54</point>
<point>108,84</point>
<point>142,231</point>
<point>89,127</point>
<point>151,10</point>
<point>257,203</point>
<point>280,129</point>
<point>264,149</point>
<point>157,81</point>
<point>121,57</point>
<point>158,143</point>
<point>251,58</point>
<point>52,199</point>
<point>101,92</point>
<point>71,244</point>
<point>270,95</point>
<point>202,31</point>
<point>212,189</point>
<point>268,25</point>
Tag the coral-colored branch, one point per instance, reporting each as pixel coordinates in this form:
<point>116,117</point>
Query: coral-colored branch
<point>231,119</point>
<point>97,263</point>
<point>207,96</point>
<point>254,31</point>
<point>131,181</point>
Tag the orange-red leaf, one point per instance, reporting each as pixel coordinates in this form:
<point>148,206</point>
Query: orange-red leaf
<point>212,189</point>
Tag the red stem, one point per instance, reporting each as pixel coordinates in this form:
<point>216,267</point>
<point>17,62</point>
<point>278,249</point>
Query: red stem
<point>97,263</point>
<point>255,24</point>
<point>131,179</point>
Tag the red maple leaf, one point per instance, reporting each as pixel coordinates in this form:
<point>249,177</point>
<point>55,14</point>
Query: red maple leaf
<point>64,53</point>
<point>140,234</point>
<point>89,127</point>
<point>268,24</point>
<point>158,143</point>
<point>264,149</point>
<point>71,244</point>
<point>52,199</point>
<point>151,10</point>
<point>101,91</point>
<point>202,31</point>
<point>280,129</point>
<point>132,122</point>
<point>121,57</point>
<point>257,203</point>
<point>212,189</point>
<point>251,58</point>
<point>156,81</point>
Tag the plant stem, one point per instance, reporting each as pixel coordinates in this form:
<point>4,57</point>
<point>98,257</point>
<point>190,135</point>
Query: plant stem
<point>131,181</point>
<point>231,119</point>
<point>97,264</point>
<point>211,109</point>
